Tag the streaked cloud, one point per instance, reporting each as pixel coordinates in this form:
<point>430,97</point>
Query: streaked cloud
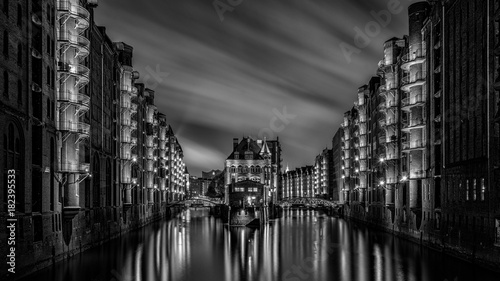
<point>225,78</point>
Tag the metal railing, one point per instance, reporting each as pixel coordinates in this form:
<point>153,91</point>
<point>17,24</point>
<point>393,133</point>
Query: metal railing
<point>74,9</point>
<point>409,79</point>
<point>77,98</point>
<point>74,167</point>
<point>76,127</point>
<point>75,39</point>
<point>74,69</point>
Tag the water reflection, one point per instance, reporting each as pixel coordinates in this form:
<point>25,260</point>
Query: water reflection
<point>303,245</point>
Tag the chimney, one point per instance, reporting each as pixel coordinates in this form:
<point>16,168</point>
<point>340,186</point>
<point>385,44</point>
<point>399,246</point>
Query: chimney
<point>235,143</point>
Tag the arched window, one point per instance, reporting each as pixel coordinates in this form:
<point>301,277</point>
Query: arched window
<point>48,45</point>
<point>48,108</point>
<point>19,92</point>
<point>6,84</point>
<point>49,80</point>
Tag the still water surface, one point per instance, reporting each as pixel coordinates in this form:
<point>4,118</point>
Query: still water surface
<point>303,245</point>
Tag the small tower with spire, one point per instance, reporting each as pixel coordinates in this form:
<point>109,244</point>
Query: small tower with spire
<point>265,151</point>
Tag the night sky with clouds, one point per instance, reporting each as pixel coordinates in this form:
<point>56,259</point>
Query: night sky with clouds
<point>216,80</point>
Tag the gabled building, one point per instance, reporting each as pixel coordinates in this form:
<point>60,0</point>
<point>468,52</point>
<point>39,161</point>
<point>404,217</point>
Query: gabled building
<point>255,160</point>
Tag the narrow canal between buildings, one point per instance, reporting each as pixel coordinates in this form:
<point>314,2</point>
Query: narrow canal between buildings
<point>303,245</point>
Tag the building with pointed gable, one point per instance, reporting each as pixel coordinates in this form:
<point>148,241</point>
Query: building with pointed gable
<point>254,160</point>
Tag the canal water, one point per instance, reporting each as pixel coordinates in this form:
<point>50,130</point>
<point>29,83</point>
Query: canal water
<point>303,245</point>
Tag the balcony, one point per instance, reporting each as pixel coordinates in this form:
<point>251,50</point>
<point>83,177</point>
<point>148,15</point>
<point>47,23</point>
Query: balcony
<point>391,156</point>
<point>417,174</point>
<point>414,145</point>
<point>79,42</point>
<point>133,140</point>
<point>74,127</point>
<point>409,102</point>
<point>125,87</point>
<point>382,139</point>
<point>82,15</point>
<point>410,59</point>
<point>81,168</point>
<point>391,122</point>
<point>125,139</point>
<point>125,104</point>
<point>409,81</point>
<point>391,180</point>
<point>149,165</point>
<point>382,122</point>
<point>126,180</point>
<point>125,153</point>
<point>75,98</point>
<point>78,70</point>
<point>417,123</point>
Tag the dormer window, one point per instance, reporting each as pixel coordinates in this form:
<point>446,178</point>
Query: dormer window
<point>248,155</point>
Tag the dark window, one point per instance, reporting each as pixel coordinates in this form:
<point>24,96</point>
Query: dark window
<point>19,15</point>
<point>6,84</point>
<point>6,7</point>
<point>6,43</point>
<point>48,43</point>
<point>48,108</point>
<point>19,54</point>
<point>19,92</point>
<point>49,80</point>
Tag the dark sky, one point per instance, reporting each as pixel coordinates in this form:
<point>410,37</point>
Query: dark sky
<point>216,80</point>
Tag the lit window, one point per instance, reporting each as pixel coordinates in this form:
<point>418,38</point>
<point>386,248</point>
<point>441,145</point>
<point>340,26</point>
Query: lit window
<point>474,193</point>
<point>483,189</point>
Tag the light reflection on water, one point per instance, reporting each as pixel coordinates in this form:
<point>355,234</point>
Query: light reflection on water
<point>303,245</point>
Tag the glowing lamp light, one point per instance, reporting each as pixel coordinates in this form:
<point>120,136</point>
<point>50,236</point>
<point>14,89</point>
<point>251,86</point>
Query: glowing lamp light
<point>382,182</point>
<point>404,178</point>
<point>382,159</point>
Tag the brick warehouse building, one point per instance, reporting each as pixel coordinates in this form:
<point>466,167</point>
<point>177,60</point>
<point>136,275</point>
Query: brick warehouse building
<point>93,156</point>
<point>433,159</point>
<point>256,160</point>
<point>298,182</point>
